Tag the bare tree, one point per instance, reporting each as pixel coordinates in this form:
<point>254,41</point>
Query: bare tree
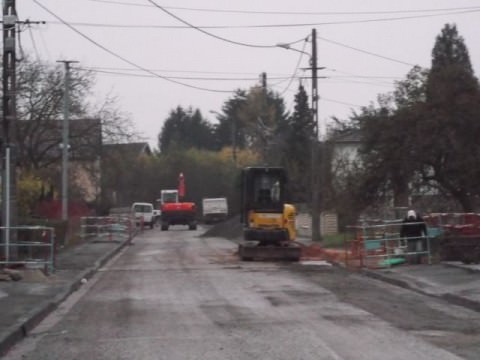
<point>40,114</point>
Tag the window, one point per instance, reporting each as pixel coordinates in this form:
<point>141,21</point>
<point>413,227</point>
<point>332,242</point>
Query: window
<point>143,208</point>
<point>267,189</point>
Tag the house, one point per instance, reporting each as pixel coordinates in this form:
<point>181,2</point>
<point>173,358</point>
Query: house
<point>345,151</point>
<point>91,163</point>
<point>424,197</point>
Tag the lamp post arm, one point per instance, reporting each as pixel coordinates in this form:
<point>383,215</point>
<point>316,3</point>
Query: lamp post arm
<point>288,47</point>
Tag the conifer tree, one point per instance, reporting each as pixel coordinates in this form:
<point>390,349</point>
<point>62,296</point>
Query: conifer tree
<point>297,151</point>
<point>448,124</point>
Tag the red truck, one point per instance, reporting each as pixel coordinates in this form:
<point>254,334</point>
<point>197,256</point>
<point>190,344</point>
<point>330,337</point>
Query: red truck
<point>174,212</point>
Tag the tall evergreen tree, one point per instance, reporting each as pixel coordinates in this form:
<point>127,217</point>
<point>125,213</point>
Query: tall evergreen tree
<point>450,66</point>
<point>430,133</point>
<point>412,90</point>
<point>253,119</point>
<point>230,129</point>
<point>185,129</point>
<point>297,150</point>
<point>448,128</point>
<point>302,125</point>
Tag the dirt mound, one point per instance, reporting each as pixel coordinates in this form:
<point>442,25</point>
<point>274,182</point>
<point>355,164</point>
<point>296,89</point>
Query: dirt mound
<point>230,229</point>
<point>316,252</point>
<point>313,251</point>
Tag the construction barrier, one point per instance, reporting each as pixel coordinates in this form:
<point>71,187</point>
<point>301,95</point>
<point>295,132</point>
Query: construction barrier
<point>28,246</point>
<point>109,228</point>
<point>379,244</point>
<point>459,235</point>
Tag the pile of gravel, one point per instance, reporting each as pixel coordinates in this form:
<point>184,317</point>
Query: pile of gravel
<point>230,229</point>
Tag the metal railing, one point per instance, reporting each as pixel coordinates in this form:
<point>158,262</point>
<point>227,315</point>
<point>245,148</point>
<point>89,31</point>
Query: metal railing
<point>380,245</point>
<point>30,246</point>
<point>108,228</point>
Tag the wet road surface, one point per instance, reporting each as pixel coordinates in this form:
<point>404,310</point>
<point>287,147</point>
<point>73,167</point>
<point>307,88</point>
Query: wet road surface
<point>175,295</point>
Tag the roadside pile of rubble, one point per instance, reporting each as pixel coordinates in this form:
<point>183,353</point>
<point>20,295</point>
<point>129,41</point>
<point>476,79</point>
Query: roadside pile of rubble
<point>10,275</point>
<point>231,229</point>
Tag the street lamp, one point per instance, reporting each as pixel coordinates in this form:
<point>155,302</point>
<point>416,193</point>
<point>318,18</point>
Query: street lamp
<point>65,134</point>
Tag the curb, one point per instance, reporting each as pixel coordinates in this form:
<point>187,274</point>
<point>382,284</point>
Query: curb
<point>390,280</point>
<point>461,301</point>
<point>450,298</point>
<point>24,326</point>
<point>461,266</point>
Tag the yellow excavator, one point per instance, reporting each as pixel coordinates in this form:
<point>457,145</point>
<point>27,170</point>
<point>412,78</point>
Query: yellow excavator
<point>269,222</point>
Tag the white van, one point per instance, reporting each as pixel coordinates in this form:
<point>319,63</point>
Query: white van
<point>145,211</point>
<point>214,210</point>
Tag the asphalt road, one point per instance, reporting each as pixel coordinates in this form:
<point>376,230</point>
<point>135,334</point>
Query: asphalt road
<point>174,295</point>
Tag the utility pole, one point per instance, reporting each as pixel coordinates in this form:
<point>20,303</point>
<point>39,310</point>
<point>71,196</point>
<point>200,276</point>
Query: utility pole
<point>65,134</point>
<point>9,124</point>
<point>314,163</point>
<point>9,203</point>
<point>234,140</point>
<point>264,81</point>
<point>314,168</point>
<point>264,131</point>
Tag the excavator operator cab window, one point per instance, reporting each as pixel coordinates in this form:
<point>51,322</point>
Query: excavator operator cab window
<point>170,198</point>
<point>264,196</point>
<point>267,189</point>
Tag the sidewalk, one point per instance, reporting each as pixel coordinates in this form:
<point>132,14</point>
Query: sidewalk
<point>24,303</point>
<point>452,281</point>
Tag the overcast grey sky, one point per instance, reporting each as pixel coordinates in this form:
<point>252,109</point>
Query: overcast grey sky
<point>364,46</point>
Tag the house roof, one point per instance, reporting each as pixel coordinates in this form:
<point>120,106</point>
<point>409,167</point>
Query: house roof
<point>348,137</point>
<point>127,149</point>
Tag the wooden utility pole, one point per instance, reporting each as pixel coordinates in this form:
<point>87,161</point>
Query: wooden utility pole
<point>314,162</point>
<point>264,81</point>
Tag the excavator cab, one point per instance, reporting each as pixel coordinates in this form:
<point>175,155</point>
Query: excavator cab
<point>269,222</point>
<point>263,190</point>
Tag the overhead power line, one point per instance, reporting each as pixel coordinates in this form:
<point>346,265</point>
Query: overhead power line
<point>123,58</point>
<point>365,51</point>
<point>297,66</point>
<point>210,72</point>
<point>266,26</point>
<point>273,12</point>
<point>339,102</point>
<point>193,86</point>
<point>179,71</point>
<point>359,82</point>
<point>281,79</point>
<point>111,72</point>
<point>34,44</point>
<point>206,32</point>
